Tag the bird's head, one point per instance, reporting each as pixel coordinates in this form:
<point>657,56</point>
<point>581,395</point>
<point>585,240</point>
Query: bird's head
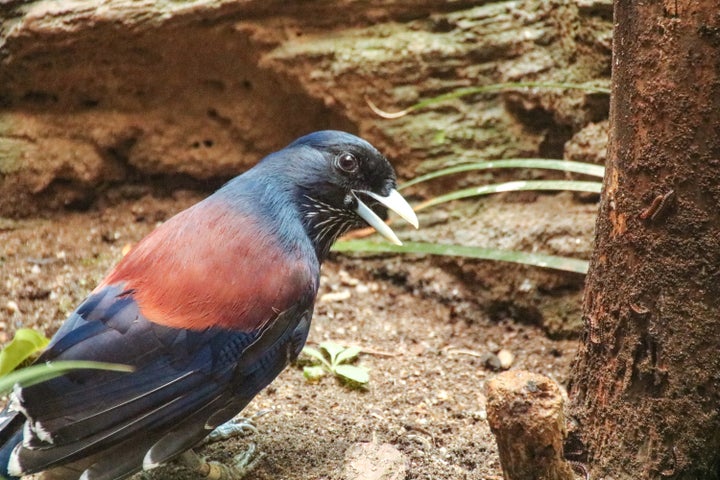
<point>344,182</point>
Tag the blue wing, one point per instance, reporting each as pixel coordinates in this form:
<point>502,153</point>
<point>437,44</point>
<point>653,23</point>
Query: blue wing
<point>184,383</point>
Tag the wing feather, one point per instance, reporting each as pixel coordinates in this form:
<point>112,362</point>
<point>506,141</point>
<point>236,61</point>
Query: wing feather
<point>184,384</point>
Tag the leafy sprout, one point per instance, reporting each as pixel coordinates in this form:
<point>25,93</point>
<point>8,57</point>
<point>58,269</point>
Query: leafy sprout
<point>24,347</point>
<point>26,344</point>
<point>331,358</point>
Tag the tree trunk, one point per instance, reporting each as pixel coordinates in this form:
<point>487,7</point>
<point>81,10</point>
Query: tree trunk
<point>646,382</point>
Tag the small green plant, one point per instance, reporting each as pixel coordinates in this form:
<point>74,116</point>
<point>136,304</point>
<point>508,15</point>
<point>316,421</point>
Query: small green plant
<point>23,348</point>
<point>335,360</point>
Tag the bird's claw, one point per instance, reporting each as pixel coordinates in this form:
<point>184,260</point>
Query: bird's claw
<point>237,427</point>
<point>242,464</point>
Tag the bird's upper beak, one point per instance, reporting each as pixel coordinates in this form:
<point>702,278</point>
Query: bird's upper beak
<point>395,202</point>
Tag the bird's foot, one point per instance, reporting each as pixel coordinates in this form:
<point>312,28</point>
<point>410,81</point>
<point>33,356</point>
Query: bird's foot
<point>242,464</point>
<point>236,427</point>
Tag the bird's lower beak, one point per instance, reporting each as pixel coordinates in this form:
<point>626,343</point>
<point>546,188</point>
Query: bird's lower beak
<point>395,202</point>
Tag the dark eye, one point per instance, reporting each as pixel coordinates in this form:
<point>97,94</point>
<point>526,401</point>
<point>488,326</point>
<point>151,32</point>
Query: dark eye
<point>346,162</point>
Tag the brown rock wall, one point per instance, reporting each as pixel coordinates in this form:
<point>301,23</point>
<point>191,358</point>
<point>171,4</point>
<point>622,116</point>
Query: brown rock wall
<point>103,93</point>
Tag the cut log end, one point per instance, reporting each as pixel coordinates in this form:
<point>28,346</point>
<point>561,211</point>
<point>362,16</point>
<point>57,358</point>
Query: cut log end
<point>525,413</point>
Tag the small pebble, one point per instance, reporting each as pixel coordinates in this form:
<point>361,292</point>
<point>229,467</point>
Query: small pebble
<point>110,237</point>
<point>12,306</point>
<point>506,358</point>
<point>335,296</point>
<point>443,395</point>
<point>346,279</point>
<point>126,248</point>
<point>491,361</point>
<point>525,286</point>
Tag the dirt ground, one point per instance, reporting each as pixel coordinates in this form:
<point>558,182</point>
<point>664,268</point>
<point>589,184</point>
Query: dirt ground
<point>427,329</point>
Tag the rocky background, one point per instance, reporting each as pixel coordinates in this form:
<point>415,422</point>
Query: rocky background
<point>100,94</point>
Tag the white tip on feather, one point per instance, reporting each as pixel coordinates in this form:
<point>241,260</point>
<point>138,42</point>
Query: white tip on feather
<point>148,462</point>
<point>32,428</point>
<point>14,467</point>
<point>16,400</point>
<point>35,431</point>
<point>27,434</point>
<point>41,433</point>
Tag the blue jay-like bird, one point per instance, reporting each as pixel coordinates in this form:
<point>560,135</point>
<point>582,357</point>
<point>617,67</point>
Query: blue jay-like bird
<point>208,309</point>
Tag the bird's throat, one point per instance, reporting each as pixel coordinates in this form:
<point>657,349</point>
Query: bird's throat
<point>324,223</point>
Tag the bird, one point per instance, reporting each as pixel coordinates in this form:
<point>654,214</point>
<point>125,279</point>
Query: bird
<point>207,310</point>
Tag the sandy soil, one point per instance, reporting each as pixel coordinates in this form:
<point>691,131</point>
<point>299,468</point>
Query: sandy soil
<point>426,328</point>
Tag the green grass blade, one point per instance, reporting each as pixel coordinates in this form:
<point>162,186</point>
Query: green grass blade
<point>535,259</point>
<point>541,163</point>
<point>46,371</point>
<point>464,92</point>
<point>572,185</point>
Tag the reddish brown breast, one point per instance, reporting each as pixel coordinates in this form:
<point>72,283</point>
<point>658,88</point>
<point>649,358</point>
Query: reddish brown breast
<point>208,266</point>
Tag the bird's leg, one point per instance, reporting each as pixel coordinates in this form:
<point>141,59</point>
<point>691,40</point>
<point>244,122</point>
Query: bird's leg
<point>242,463</point>
<point>241,466</point>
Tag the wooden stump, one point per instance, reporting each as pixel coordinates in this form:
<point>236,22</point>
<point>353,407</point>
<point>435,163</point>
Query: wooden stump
<point>525,412</point>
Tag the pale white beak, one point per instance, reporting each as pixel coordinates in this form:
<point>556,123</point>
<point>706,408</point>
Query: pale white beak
<point>395,202</point>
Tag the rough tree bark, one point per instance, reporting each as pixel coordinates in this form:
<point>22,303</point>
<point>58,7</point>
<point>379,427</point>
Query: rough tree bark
<point>646,383</point>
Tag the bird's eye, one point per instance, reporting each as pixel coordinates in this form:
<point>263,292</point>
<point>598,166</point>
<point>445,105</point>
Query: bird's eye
<point>346,162</point>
